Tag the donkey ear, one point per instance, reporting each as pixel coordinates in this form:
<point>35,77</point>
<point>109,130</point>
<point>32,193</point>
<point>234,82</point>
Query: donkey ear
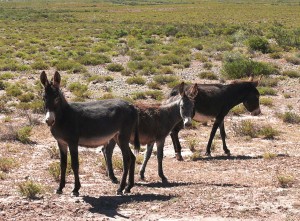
<point>181,89</point>
<point>193,91</point>
<point>44,79</point>
<point>56,79</point>
<point>257,82</point>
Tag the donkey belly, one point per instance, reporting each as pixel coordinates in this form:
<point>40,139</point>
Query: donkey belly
<point>202,118</point>
<point>95,141</point>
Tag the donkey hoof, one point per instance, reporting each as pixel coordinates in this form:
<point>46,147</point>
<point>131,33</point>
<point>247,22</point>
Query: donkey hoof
<point>164,180</point>
<point>142,177</point>
<point>114,180</point>
<point>208,154</point>
<point>179,157</point>
<point>227,153</point>
<point>119,192</point>
<point>127,190</point>
<point>75,193</point>
<point>58,191</point>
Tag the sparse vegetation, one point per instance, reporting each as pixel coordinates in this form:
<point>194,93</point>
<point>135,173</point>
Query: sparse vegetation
<point>30,189</point>
<point>208,75</point>
<point>136,80</point>
<point>285,180</point>
<point>290,117</point>
<point>291,74</point>
<point>238,110</point>
<point>195,156</point>
<point>7,164</point>
<point>268,155</point>
<point>23,134</point>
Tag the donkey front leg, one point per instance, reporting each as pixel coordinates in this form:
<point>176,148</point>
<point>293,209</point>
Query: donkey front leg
<point>223,136</point>
<point>212,135</point>
<point>131,172</point>
<point>107,151</point>
<point>63,149</point>
<point>175,140</point>
<point>160,155</point>
<point>146,158</point>
<point>75,166</point>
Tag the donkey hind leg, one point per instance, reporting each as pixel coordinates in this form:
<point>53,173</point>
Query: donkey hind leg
<point>125,149</point>
<point>63,149</point>
<point>107,151</point>
<point>75,166</point>
<point>131,173</point>
<point>146,158</point>
<point>212,135</point>
<point>160,154</point>
<point>175,140</point>
<point>223,136</point>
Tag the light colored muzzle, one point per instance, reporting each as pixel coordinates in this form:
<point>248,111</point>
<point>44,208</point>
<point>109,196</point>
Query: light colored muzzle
<point>50,118</point>
<point>256,112</point>
<point>187,122</point>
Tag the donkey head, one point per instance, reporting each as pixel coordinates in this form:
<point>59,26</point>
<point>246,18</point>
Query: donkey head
<point>251,101</point>
<point>52,96</point>
<point>187,103</point>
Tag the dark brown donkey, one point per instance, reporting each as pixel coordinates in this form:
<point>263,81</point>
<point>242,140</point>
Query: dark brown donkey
<point>214,101</point>
<point>155,124</point>
<point>89,124</point>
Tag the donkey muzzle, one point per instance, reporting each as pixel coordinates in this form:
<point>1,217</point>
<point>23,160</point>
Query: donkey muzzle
<point>50,118</point>
<point>187,122</point>
<point>256,112</point>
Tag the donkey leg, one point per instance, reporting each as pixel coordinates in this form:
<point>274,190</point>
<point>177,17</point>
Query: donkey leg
<point>223,136</point>
<point>212,135</point>
<point>126,163</point>
<point>146,158</point>
<point>175,140</point>
<point>160,155</point>
<point>63,149</point>
<point>131,172</point>
<point>107,151</point>
<point>75,166</point>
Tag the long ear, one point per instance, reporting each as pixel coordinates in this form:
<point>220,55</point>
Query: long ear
<point>193,91</point>
<point>181,89</point>
<point>44,79</point>
<point>56,79</point>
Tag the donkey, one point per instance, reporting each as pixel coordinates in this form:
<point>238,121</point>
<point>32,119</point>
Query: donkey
<point>155,124</point>
<point>214,101</point>
<point>89,124</point>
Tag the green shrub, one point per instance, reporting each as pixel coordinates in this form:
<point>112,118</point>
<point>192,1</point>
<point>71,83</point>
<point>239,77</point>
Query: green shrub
<point>6,76</point>
<point>64,65</point>
<point>7,164</point>
<point>258,43</point>
<point>268,132</point>
<point>268,82</point>
<point>268,156</point>
<point>165,79</point>
<point>208,65</point>
<point>195,156</point>
<point>238,110</point>
<point>208,75</point>
<point>237,66</point>
<point>154,85</point>
<point>39,65</point>
<point>246,128</point>
<point>115,67</point>
<point>266,101</point>
<point>23,134</point>
<point>29,189</point>
<point>276,55</point>
<point>136,80</point>
<point>290,117</point>
<point>79,90</point>
<point>285,180</point>
<point>126,72</point>
<point>54,170</point>
<point>13,90</point>
<point>166,70</point>
<point>293,60</point>
<point>266,91</point>
<point>26,97</point>
<point>291,74</point>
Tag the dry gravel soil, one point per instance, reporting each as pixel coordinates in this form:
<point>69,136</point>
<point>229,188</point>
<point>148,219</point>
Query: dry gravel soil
<point>244,186</point>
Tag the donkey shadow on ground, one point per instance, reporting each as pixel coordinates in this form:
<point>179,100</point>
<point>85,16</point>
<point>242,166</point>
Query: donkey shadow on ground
<point>109,205</point>
<point>238,157</point>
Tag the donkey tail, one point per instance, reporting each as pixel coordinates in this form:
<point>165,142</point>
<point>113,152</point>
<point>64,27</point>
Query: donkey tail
<point>137,144</point>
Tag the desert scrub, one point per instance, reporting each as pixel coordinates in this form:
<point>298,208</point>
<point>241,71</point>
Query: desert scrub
<point>23,134</point>
<point>292,59</point>
<point>7,76</point>
<point>268,155</point>
<point>53,152</point>
<point>39,65</point>
<point>207,65</point>
<point>30,189</point>
<point>7,164</point>
<point>238,110</point>
<point>266,91</point>
<point>258,43</point>
<point>153,94</point>
<point>127,72</point>
<point>192,143</point>
<point>276,55</point>
<point>13,90</point>
<point>285,180</point>
<point>245,128</point>
<point>268,132</point>
<point>54,168</point>
<point>290,117</point>
<point>26,97</point>
<point>291,74</point>
<point>115,67</point>
<point>237,66</point>
<point>165,79</point>
<point>166,70</point>
<point>93,59</point>
<point>195,156</point>
<point>268,82</point>
<point>266,101</point>
<point>79,90</point>
<point>136,80</point>
<point>208,75</point>
<point>154,85</point>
